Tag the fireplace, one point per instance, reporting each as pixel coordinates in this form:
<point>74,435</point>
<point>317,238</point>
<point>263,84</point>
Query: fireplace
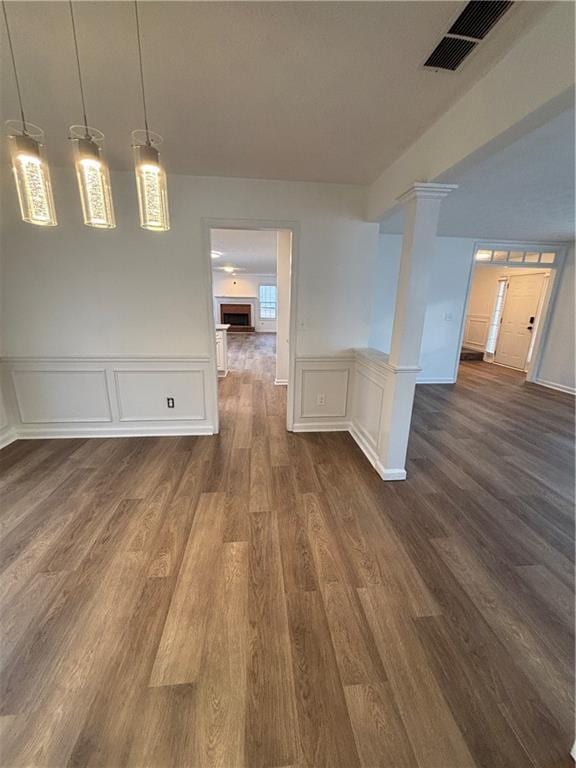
<point>237,316</point>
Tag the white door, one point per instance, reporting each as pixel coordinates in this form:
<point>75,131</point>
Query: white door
<point>518,320</point>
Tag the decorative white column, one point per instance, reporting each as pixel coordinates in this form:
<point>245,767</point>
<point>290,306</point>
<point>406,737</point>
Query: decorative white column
<point>421,212</point>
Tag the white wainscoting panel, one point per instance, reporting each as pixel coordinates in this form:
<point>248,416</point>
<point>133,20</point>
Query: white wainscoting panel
<point>95,397</point>
<point>331,386</point>
<point>476,331</point>
<point>61,397</point>
<point>367,406</point>
<point>322,393</point>
<point>142,395</point>
<point>356,389</point>
<point>7,431</point>
<point>371,374</point>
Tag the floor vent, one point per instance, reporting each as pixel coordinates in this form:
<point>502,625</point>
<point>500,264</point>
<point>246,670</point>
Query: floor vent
<point>472,26</point>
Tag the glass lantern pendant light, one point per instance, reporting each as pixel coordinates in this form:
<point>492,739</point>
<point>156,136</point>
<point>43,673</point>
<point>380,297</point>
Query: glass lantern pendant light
<point>91,169</point>
<point>29,164</point>
<point>150,176</point>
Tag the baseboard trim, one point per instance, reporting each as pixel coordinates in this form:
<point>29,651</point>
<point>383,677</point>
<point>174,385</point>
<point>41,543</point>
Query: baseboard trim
<point>385,473</point>
<point>321,426</point>
<point>281,382</point>
<point>52,433</point>
<point>364,445</point>
<point>450,380</point>
<point>7,435</point>
<point>553,385</point>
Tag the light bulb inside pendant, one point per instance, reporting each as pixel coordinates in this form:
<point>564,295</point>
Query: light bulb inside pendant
<point>32,176</point>
<point>151,186</point>
<point>93,178</point>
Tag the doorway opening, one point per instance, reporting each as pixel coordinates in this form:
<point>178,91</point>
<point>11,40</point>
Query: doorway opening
<point>251,270</point>
<point>510,293</point>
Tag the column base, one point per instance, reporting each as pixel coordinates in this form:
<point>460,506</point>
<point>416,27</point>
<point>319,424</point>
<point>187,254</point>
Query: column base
<point>386,473</point>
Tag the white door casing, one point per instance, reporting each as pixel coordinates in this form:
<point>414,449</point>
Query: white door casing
<point>519,320</point>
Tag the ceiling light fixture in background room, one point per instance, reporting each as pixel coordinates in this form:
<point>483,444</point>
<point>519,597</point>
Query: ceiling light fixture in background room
<point>29,163</point>
<point>150,176</point>
<point>91,169</point>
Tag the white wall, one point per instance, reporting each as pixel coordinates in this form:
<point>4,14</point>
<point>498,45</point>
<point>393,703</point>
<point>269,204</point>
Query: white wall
<point>483,290</point>
<point>557,365</point>
<point>440,353</point>
<point>244,286</point>
<point>74,294</point>
<point>451,264</point>
<point>384,291</point>
<point>71,290</point>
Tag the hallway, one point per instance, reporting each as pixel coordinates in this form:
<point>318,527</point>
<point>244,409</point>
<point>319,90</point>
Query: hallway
<point>261,598</point>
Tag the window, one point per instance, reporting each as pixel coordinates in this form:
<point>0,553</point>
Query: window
<point>530,257</point>
<point>267,297</point>
<point>496,317</point>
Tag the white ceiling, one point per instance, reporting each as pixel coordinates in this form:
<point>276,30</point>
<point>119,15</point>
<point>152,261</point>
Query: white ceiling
<point>320,91</point>
<point>253,251</point>
<point>524,192</point>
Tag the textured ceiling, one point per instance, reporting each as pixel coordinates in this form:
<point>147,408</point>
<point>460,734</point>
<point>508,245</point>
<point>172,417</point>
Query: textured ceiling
<point>316,91</point>
<point>524,192</point>
<point>252,251</point>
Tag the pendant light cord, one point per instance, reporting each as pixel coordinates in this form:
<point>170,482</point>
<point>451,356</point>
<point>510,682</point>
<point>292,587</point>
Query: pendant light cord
<point>14,66</point>
<point>141,71</point>
<point>78,66</point>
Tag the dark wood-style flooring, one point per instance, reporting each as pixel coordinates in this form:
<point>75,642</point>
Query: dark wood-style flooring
<point>263,599</point>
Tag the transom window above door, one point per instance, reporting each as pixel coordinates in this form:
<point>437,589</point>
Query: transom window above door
<point>514,256</point>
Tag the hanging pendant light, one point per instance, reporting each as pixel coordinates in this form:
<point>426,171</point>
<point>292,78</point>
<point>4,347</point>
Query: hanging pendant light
<point>91,169</point>
<point>29,163</point>
<point>150,176</point>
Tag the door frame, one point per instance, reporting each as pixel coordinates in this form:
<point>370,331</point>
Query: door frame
<point>209,223</point>
<point>550,298</point>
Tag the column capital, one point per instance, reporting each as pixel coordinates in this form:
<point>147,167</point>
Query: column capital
<point>425,190</point>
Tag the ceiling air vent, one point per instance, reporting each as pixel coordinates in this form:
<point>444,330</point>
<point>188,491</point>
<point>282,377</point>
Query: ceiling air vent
<point>449,53</point>
<point>478,18</point>
<point>472,26</point>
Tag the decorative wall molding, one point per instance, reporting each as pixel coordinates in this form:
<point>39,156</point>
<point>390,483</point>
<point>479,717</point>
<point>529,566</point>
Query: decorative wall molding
<point>191,389</point>
<point>322,392</point>
<point>355,386</point>
<point>110,396</point>
<point>109,358</point>
<point>49,395</point>
<point>476,331</point>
